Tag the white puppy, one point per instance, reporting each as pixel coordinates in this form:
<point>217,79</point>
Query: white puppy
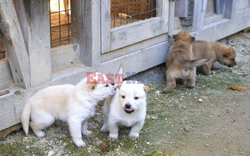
<point>126,108</point>
<point>71,103</point>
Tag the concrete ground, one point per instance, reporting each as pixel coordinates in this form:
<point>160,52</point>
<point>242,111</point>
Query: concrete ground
<point>206,120</point>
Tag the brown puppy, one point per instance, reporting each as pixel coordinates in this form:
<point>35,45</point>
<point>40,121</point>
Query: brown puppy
<point>215,52</point>
<point>180,64</point>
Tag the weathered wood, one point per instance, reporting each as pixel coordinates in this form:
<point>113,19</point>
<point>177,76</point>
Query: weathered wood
<point>230,8</point>
<point>135,32</point>
<point>7,131</point>
<point>6,78</point>
<point>64,57</point>
<point>14,44</point>
<point>217,6</point>
<point>135,47</point>
<point>199,14</point>
<point>171,19</point>
<point>181,8</point>
<point>38,37</point>
<point>223,28</point>
<point>86,19</point>
<point>105,25</point>
<point>11,108</point>
<point>22,17</point>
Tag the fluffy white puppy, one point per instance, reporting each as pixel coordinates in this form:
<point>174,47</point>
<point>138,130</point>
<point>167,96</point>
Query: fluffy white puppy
<point>126,108</point>
<point>71,103</point>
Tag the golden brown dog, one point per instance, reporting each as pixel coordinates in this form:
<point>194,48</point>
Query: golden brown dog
<point>214,51</point>
<point>180,63</point>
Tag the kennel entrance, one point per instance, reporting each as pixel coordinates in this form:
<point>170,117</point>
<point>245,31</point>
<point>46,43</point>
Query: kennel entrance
<point>60,22</point>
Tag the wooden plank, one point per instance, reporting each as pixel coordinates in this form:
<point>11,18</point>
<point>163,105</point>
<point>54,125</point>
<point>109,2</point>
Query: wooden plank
<point>77,28</point>
<point>14,44</point>
<point>38,40</point>
<point>224,28</point>
<point>135,32</point>
<point>105,25</point>
<point>6,78</point>
<point>199,14</point>
<point>181,8</point>
<point>11,108</point>
<point>135,47</point>
<point>21,14</point>
<point>63,57</point>
<point>164,15</point>
<point>230,8</point>
<point>7,131</point>
<point>148,57</point>
<point>90,30</point>
<point>144,29</point>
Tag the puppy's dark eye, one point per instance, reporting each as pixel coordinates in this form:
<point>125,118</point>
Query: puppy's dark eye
<point>136,98</point>
<point>106,85</point>
<point>232,59</point>
<point>123,96</point>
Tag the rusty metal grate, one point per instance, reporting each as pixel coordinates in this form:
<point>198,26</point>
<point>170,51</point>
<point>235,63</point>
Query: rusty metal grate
<point>2,50</point>
<point>60,22</point>
<point>124,12</point>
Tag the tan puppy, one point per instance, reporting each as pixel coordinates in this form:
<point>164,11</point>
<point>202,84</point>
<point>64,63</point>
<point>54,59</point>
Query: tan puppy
<point>180,63</point>
<point>214,51</point>
<point>73,104</point>
<point>126,108</point>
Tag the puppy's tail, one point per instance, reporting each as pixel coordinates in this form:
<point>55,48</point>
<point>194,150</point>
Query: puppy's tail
<point>25,118</point>
<point>196,63</point>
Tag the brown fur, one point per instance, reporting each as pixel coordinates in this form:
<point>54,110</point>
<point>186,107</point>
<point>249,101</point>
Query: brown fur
<point>214,51</point>
<point>180,64</point>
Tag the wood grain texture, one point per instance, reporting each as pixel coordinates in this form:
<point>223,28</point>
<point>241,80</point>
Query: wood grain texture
<point>12,35</point>
<point>199,14</point>
<point>38,37</point>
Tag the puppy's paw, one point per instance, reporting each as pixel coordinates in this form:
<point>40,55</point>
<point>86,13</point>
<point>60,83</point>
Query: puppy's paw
<point>40,134</point>
<point>166,90</point>
<point>113,137</point>
<point>134,136</point>
<point>80,144</point>
<point>104,129</point>
<point>87,133</point>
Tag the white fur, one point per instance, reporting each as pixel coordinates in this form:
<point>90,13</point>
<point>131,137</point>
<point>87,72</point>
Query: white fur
<point>73,104</point>
<point>115,114</point>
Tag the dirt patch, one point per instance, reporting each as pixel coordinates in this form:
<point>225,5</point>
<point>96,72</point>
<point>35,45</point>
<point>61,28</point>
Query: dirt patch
<point>206,120</point>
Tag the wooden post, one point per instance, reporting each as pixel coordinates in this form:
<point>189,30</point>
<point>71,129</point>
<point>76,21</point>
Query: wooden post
<point>38,36</point>
<point>199,14</point>
<point>14,44</point>
<point>105,25</point>
<point>230,8</point>
<point>86,18</point>
<point>171,23</point>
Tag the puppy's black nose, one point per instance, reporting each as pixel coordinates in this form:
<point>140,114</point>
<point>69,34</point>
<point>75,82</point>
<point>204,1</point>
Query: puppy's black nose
<point>115,89</point>
<point>127,106</point>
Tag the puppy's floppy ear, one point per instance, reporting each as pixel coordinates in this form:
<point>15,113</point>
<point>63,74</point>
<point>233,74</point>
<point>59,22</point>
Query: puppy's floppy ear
<point>92,85</point>
<point>192,39</point>
<point>146,88</point>
<point>174,37</point>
